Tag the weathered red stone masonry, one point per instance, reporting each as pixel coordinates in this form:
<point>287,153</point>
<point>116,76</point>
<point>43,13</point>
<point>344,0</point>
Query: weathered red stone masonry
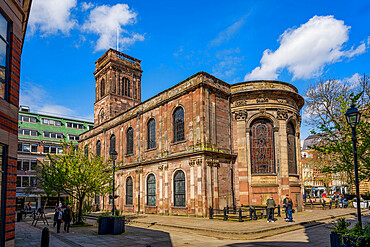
<point>200,143</point>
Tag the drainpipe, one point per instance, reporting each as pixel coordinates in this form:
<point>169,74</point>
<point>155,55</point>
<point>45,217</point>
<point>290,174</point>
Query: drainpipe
<point>139,140</point>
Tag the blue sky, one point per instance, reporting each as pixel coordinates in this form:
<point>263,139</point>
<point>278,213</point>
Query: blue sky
<point>293,41</point>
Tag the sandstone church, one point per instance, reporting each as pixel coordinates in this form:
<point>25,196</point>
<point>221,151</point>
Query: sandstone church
<point>201,143</point>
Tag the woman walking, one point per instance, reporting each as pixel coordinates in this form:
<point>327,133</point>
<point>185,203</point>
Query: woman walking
<point>290,210</point>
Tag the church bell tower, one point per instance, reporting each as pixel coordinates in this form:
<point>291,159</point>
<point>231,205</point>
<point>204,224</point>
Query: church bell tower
<point>117,85</point>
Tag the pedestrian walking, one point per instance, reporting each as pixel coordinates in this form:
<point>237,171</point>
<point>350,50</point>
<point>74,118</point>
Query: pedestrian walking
<point>59,217</point>
<point>285,204</point>
<point>270,209</point>
<point>55,214</point>
<point>67,217</point>
<point>290,209</point>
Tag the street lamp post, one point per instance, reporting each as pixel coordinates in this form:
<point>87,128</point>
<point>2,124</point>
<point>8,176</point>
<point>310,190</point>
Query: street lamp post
<point>353,118</point>
<point>113,156</point>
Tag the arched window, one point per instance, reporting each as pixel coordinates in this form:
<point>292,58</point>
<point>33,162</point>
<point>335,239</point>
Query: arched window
<point>292,160</point>
<point>178,124</point>
<point>151,192</point>
<point>262,147</point>
<point>179,188</point>
<point>125,87</point>
<point>112,146</point>
<point>129,191</point>
<point>130,140</point>
<point>98,148</point>
<point>102,88</point>
<point>151,133</point>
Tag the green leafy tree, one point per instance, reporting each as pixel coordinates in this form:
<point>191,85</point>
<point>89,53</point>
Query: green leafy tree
<point>76,174</point>
<point>327,102</point>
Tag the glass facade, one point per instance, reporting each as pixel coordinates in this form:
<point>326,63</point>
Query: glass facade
<point>4,54</point>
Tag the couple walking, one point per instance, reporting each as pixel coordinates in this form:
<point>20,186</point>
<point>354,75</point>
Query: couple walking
<point>63,216</point>
<point>287,205</point>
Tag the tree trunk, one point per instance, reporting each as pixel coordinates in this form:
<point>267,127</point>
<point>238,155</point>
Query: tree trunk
<point>79,214</point>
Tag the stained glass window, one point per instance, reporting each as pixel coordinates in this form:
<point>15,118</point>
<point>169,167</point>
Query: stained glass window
<point>151,133</point>
<point>112,144</point>
<point>178,124</point>
<point>130,140</point>
<point>151,193</point>
<point>98,148</point>
<point>129,191</point>
<point>179,189</point>
<point>262,147</point>
<point>292,160</point>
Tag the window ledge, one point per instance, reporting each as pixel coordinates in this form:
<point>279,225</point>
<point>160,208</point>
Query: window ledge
<point>264,174</point>
<point>178,142</point>
<point>179,207</point>
<point>294,175</point>
<point>129,205</point>
<point>128,155</point>
<point>147,206</point>
<point>151,149</point>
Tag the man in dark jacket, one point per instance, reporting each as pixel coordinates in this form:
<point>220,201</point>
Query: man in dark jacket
<point>285,205</point>
<point>67,217</point>
<point>270,209</point>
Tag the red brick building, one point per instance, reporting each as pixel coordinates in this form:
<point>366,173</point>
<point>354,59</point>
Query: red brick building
<point>13,22</point>
<point>200,143</point>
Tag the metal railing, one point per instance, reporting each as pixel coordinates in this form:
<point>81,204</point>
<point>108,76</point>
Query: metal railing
<point>242,213</point>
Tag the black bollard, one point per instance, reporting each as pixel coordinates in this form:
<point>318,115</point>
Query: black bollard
<point>45,236</point>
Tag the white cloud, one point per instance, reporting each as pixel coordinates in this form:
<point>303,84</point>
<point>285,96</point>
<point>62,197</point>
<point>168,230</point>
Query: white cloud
<point>353,80</point>
<point>306,50</point>
<point>104,21</point>
<point>229,63</point>
<point>86,6</point>
<point>52,16</point>
<point>228,33</point>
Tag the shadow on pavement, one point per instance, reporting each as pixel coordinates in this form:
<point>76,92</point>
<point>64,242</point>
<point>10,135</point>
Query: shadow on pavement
<point>313,237</point>
<point>138,236</point>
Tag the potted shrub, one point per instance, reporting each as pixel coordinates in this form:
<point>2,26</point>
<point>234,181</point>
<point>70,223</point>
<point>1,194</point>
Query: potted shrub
<point>341,236</point>
<point>111,224</point>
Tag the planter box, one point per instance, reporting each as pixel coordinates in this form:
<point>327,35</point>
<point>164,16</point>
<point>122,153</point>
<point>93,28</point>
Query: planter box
<point>348,241</point>
<point>111,225</point>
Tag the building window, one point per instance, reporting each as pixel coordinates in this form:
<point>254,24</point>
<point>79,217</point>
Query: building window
<point>19,165</point>
<point>33,148</point>
<point>33,165</point>
<point>98,148</point>
<point>26,147</point>
<point>129,191</point>
<point>262,147</point>
<point>26,165</point>
<point>151,133</point>
<point>51,122</point>
<point>125,87</point>
<point>53,135</point>
<point>73,137</point>
<point>102,88</point>
<point>97,199</point>
<point>28,119</point>
<point>4,55</point>
<point>179,189</point>
<point>86,150</point>
<point>27,132</point>
<point>292,160</point>
<point>19,181</point>
<point>112,146</point>
<point>151,192</point>
<point>26,181</point>
<point>74,125</point>
<point>130,140</point>
<point>178,124</point>
<point>128,88</point>
<point>33,181</point>
<point>90,127</point>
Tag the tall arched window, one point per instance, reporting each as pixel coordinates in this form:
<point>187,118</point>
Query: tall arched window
<point>262,147</point>
<point>179,188</point>
<point>130,140</point>
<point>129,191</point>
<point>292,160</point>
<point>102,88</point>
<point>151,133</point>
<point>151,191</point>
<point>178,124</point>
<point>125,87</point>
<point>112,146</point>
<point>98,148</point>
